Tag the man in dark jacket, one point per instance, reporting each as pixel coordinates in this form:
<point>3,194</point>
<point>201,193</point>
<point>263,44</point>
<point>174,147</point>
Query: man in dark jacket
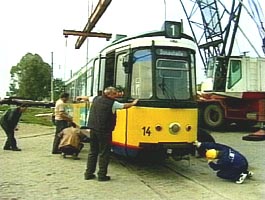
<point>101,122</point>
<point>229,164</point>
<point>9,121</point>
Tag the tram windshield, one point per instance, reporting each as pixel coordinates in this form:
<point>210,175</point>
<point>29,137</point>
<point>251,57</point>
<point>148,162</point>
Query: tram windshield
<point>171,73</point>
<point>172,79</point>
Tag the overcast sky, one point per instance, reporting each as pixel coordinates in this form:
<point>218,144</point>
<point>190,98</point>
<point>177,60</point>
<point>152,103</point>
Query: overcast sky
<point>36,26</point>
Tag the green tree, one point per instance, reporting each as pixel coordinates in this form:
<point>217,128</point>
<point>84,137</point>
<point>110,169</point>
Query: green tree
<point>31,78</point>
<point>13,90</point>
<point>58,88</point>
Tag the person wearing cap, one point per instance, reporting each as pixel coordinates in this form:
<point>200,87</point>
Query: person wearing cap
<point>228,162</point>
<point>101,122</point>
<point>9,121</point>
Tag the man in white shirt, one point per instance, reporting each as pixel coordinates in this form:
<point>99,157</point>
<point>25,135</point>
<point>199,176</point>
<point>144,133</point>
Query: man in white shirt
<point>62,120</point>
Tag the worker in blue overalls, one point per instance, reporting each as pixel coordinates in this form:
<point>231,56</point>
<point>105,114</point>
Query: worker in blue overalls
<point>229,163</point>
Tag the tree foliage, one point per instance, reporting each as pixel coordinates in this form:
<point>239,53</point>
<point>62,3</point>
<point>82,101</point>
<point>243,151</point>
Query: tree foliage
<point>58,85</point>
<point>31,78</point>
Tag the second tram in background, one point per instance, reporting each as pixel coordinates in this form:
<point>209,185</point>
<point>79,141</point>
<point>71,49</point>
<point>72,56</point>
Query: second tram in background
<point>156,67</point>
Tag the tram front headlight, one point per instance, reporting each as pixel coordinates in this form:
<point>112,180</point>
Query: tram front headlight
<point>174,128</point>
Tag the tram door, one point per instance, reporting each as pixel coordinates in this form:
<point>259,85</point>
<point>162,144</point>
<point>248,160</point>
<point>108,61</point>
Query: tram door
<point>120,78</point>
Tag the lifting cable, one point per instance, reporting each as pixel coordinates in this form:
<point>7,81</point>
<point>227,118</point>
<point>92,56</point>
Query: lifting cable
<point>65,56</point>
<point>87,39</point>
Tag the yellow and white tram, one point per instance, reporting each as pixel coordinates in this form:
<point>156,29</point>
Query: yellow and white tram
<point>156,67</point>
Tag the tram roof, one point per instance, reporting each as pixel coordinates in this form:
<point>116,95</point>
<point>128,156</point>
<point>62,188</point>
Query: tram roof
<point>146,34</point>
<point>124,39</point>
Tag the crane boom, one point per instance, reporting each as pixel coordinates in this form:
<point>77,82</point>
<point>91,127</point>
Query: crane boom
<point>92,20</point>
<point>214,40</point>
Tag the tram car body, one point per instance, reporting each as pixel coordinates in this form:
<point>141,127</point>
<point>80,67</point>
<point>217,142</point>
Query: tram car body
<point>158,68</point>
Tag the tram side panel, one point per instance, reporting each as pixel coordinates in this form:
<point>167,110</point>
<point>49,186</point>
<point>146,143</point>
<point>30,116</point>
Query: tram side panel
<point>79,112</point>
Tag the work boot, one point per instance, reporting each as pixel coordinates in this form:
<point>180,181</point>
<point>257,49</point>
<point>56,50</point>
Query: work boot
<point>7,148</point>
<point>75,157</point>
<point>56,152</point>
<point>241,178</point>
<point>104,178</point>
<point>250,174</point>
<point>90,176</point>
<point>16,149</point>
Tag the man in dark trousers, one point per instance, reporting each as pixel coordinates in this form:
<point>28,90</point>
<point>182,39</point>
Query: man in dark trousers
<point>229,164</point>
<point>9,121</point>
<point>62,120</point>
<point>101,122</point>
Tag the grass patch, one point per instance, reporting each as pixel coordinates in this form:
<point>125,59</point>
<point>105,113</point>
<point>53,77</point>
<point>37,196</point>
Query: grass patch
<point>29,115</point>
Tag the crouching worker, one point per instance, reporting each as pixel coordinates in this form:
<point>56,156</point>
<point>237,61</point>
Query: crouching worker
<point>229,163</point>
<point>70,143</point>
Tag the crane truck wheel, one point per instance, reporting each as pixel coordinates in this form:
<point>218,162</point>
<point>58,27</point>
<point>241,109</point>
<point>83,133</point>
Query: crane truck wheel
<point>213,116</point>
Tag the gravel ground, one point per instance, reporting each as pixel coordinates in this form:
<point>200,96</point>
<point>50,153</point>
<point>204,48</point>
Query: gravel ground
<point>34,173</point>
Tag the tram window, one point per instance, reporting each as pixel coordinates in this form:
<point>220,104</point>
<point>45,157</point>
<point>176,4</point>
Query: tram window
<point>82,85</point>
<point>102,72</point>
<point>78,86</point>
<point>193,74</point>
<point>172,79</point>
<point>89,81</point>
<point>141,86</point>
<point>72,90</point>
<point>172,64</point>
<point>120,74</point>
<point>109,69</point>
<point>96,77</point>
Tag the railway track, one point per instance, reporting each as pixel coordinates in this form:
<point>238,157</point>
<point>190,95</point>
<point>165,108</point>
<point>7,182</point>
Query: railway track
<point>171,179</point>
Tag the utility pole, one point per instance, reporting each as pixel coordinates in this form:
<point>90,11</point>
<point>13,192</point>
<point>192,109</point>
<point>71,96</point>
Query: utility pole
<point>52,94</point>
